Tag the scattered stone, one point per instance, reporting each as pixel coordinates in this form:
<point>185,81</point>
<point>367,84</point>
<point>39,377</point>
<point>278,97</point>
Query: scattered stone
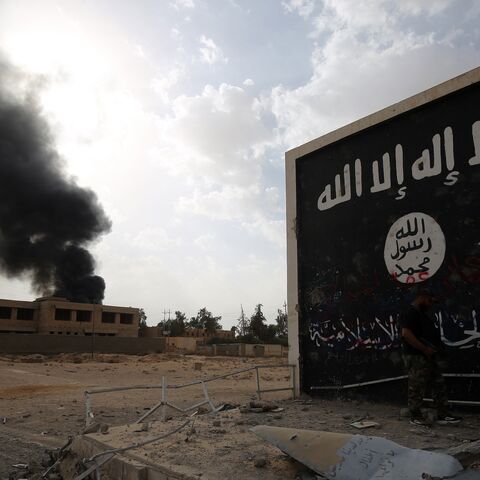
<point>258,406</point>
<point>26,415</point>
<point>197,366</point>
<point>305,409</point>
<point>239,422</point>
<point>260,462</point>
<point>216,423</point>
<point>278,417</point>
<point>467,453</point>
<point>365,424</point>
<point>218,431</point>
<point>347,417</point>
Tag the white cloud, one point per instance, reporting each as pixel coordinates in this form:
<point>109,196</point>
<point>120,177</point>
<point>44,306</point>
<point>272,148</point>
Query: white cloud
<point>216,137</point>
<point>179,4</point>
<point>206,242</point>
<point>303,7</point>
<point>210,52</point>
<point>248,82</point>
<point>154,238</point>
<point>367,58</point>
<point>161,84</point>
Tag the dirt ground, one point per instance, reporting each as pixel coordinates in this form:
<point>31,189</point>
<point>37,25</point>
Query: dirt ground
<point>42,403</point>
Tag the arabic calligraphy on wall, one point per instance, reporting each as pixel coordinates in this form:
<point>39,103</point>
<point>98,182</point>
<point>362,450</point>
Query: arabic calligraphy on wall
<point>414,248</point>
<point>428,164</point>
<point>382,334</point>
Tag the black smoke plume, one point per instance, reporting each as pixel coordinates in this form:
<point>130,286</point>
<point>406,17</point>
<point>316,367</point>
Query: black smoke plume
<point>46,219</point>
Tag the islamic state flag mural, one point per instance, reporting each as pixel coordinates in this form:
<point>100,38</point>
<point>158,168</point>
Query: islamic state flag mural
<point>381,212</point>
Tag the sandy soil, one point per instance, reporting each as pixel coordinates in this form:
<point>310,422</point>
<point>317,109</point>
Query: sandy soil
<point>42,400</point>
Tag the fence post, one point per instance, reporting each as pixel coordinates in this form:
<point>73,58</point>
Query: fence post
<point>259,395</point>
<point>164,400</point>
<point>88,409</point>
<point>293,380</point>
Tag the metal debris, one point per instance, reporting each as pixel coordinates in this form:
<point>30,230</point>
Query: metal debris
<point>346,457</point>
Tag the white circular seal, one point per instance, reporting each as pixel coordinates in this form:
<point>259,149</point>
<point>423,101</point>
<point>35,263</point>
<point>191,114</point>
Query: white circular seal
<point>414,248</point>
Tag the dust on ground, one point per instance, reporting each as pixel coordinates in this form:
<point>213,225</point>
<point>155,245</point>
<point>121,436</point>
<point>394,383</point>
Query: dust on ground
<point>42,402</point>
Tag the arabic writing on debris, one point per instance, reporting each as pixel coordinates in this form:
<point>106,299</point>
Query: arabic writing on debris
<point>414,248</point>
<point>429,164</point>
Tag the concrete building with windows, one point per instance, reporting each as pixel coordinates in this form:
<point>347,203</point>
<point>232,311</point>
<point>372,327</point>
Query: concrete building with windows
<point>58,316</point>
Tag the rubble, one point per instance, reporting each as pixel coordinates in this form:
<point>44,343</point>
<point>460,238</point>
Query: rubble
<point>468,454</point>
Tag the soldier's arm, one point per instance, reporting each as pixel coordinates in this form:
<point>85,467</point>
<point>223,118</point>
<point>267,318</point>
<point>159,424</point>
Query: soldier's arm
<point>412,340</point>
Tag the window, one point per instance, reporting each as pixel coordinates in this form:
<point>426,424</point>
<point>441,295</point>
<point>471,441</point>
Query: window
<point>108,317</point>
<point>25,313</point>
<point>126,318</point>
<point>6,312</point>
<point>62,314</point>
<point>84,316</point>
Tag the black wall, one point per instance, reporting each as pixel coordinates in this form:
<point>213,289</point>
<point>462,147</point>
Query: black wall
<point>349,301</point>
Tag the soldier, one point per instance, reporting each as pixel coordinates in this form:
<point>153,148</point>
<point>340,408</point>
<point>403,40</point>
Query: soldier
<point>423,351</point>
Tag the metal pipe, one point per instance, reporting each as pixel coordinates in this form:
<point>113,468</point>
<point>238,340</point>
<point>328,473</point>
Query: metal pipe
<point>259,393</point>
<point>181,385</point>
<point>88,409</point>
<point>457,402</point>
<point>164,400</point>
<point>354,385</point>
<point>119,389</point>
<point>384,380</point>
<point>207,398</point>
<point>294,380</point>
<point>211,379</point>
<point>147,414</point>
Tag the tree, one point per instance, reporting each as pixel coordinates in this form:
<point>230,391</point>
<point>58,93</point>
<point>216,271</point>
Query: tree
<point>242,323</point>
<point>282,323</point>
<point>205,319</point>
<point>258,327</point>
<point>177,326</point>
<point>142,323</point>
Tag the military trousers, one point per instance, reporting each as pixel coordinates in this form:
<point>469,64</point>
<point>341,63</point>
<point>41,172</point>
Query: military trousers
<point>425,374</point>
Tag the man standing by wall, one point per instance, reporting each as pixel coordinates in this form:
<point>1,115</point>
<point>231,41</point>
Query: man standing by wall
<point>423,352</point>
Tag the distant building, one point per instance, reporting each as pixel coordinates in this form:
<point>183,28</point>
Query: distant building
<point>58,316</point>
<point>159,331</point>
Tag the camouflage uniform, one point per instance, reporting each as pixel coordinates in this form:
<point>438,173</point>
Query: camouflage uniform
<point>425,372</point>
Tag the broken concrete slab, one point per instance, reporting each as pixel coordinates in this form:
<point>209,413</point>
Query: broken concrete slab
<point>346,457</point>
<point>364,424</point>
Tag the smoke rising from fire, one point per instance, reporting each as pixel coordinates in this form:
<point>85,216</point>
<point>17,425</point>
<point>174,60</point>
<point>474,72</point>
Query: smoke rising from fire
<point>46,220</point>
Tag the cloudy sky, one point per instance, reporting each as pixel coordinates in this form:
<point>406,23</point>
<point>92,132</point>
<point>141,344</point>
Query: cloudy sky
<point>177,113</point>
